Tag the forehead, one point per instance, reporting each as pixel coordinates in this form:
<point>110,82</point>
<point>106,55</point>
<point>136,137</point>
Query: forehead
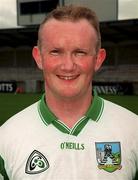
<point>55,27</point>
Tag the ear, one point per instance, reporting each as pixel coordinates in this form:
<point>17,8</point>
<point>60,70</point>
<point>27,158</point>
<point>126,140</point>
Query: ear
<point>101,55</point>
<point>37,56</point>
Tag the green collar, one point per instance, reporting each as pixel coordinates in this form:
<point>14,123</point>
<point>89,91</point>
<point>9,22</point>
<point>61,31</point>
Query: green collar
<point>94,113</point>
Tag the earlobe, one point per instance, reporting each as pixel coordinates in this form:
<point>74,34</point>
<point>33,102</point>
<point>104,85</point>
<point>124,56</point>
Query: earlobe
<point>100,59</point>
<point>37,56</point>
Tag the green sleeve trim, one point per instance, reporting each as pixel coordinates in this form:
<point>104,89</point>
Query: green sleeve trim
<point>2,169</point>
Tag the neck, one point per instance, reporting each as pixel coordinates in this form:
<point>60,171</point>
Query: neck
<point>69,111</point>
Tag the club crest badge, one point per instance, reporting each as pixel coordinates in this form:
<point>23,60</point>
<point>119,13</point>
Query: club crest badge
<point>36,163</point>
<point>108,156</point>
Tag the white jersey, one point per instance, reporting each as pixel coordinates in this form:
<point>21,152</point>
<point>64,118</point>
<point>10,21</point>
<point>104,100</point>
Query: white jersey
<point>35,145</point>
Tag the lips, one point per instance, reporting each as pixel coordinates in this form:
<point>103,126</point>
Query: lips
<point>68,77</point>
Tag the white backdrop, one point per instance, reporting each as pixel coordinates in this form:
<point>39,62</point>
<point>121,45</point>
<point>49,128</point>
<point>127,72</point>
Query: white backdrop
<point>128,9</point>
<point>8,14</point>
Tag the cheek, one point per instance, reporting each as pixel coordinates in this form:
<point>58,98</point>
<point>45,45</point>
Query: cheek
<point>87,66</point>
<point>48,65</point>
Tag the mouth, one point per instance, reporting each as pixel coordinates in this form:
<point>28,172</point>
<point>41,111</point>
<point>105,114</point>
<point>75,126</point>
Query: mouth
<point>73,77</point>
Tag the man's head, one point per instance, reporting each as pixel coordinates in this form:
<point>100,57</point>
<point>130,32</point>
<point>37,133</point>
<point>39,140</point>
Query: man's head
<point>73,14</point>
<point>69,51</point>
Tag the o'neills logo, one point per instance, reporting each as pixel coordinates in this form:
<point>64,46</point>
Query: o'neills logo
<point>72,145</point>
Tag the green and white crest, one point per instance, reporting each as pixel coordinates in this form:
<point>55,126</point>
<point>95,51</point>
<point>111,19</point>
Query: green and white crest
<point>108,156</point>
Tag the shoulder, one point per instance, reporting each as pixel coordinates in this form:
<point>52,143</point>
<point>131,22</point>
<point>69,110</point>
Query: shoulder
<point>19,129</point>
<point>120,109</point>
<point>19,121</point>
<point>119,113</point>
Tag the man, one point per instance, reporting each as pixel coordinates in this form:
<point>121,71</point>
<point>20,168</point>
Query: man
<point>70,131</point>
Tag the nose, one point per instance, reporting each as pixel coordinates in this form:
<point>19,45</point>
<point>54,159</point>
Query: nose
<point>68,63</point>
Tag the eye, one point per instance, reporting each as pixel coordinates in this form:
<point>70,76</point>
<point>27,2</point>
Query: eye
<point>80,53</point>
<point>55,52</point>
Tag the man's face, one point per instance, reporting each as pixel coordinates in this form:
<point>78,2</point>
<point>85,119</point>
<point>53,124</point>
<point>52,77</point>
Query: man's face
<point>67,57</point>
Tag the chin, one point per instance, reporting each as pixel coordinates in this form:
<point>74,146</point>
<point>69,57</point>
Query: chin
<point>70,95</point>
